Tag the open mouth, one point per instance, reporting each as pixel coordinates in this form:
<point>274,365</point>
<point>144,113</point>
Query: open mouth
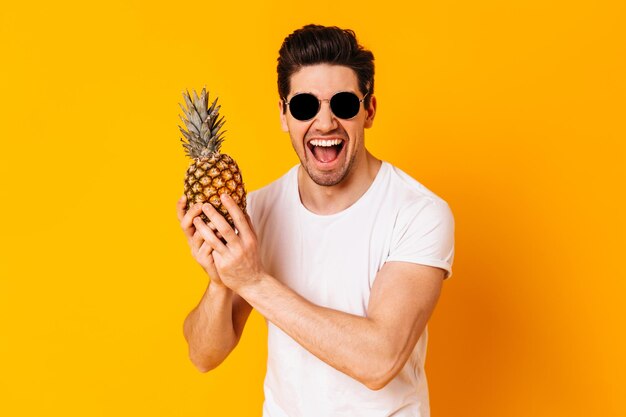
<point>326,151</point>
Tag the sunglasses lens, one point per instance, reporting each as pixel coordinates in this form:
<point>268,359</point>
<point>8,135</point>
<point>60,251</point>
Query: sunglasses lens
<point>304,106</point>
<point>345,105</point>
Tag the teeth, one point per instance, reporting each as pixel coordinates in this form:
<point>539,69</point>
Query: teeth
<point>318,142</point>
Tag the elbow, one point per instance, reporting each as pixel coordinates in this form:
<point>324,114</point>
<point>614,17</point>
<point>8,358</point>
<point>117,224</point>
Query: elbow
<point>380,376</point>
<point>203,368</point>
<point>376,384</point>
<point>202,364</point>
<point>206,357</point>
<point>206,360</point>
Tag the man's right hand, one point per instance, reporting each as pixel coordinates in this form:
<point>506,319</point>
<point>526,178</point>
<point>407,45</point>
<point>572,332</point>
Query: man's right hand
<point>200,250</point>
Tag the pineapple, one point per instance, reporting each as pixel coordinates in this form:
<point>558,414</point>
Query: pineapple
<point>211,173</point>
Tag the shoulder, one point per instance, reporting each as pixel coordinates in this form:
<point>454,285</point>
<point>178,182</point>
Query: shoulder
<point>423,225</point>
<point>413,198</point>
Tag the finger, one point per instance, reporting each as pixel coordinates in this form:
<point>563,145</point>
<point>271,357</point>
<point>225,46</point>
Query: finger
<point>250,225</point>
<point>208,262</point>
<point>220,222</point>
<point>196,240</point>
<point>187,221</point>
<point>249,221</point>
<point>205,249</point>
<point>214,229</point>
<point>209,236</point>
<point>180,207</point>
<point>210,267</point>
<point>235,212</point>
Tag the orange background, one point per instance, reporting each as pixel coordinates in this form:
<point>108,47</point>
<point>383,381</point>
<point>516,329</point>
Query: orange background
<point>513,112</point>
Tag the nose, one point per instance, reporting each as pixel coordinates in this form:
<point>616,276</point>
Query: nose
<point>325,119</point>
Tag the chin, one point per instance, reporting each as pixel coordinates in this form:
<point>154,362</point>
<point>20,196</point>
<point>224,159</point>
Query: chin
<point>328,178</point>
<point>327,181</point>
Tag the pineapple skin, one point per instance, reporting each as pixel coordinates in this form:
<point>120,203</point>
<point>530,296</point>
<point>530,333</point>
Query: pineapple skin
<point>210,176</point>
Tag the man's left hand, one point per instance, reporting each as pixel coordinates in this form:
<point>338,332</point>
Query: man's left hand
<point>238,261</point>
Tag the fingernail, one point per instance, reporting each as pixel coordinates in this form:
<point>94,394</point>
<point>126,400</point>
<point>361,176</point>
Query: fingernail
<point>205,206</point>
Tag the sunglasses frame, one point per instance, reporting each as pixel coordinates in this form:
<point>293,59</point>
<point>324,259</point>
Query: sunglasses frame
<point>319,106</point>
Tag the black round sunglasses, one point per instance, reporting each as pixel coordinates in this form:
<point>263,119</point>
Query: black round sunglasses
<point>304,106</point>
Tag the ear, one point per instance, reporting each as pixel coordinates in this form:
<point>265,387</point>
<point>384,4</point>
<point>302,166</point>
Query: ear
<point>371,112</point>
<point>283,115</point>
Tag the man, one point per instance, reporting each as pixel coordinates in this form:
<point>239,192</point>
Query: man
<point>344,255</point>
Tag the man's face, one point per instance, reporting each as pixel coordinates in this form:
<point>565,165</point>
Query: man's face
<point>327,165</point>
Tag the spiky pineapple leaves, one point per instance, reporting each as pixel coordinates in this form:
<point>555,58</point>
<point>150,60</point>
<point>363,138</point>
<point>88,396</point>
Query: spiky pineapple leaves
<point>203,135</point>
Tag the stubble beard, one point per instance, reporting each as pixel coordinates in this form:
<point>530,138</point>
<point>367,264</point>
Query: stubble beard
<point>328,179</point>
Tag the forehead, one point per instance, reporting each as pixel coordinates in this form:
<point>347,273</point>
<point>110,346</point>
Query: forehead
<point>324,79</point>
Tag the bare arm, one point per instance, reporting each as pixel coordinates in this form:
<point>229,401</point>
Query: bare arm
<point>371,349</point>
<point>214,327</point>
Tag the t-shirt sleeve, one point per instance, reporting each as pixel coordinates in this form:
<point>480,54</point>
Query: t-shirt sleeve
<point>424,234</point>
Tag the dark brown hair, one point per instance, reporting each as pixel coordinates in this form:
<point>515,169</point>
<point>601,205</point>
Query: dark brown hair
<point>315,44</point>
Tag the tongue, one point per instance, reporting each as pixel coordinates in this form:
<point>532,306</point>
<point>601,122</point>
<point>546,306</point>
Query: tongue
<point>325,153</point>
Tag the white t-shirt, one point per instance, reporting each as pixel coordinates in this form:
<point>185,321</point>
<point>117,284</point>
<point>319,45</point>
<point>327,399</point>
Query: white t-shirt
<point>332,261</point>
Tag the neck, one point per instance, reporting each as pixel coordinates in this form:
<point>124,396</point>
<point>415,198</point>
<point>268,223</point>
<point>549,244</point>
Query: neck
<point>326,200</point>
